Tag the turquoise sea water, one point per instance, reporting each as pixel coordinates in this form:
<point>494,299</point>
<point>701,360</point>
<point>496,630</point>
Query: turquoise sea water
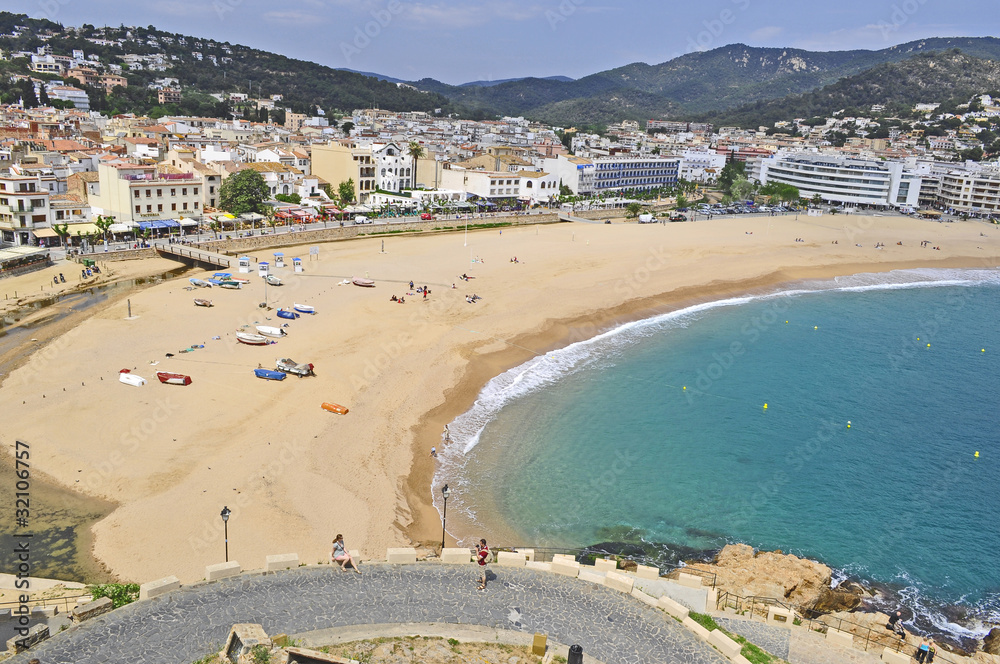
<point>601,438</point>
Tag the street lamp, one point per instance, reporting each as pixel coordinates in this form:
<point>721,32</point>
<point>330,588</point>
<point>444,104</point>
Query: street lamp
<point>444,515</point>
<point>225,524</point>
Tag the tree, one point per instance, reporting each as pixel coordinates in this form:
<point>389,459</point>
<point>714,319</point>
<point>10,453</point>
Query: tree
<point>632,210</point>
<point>742,189</point>
<point>682,201</point>
<point>243,192</point>
<point>817,199</point>
<point>345,191</point>
<point>62,230</point>
<point>103,224</point>
<point>415,152</point>
<point>729,174</point>
<point>294,199</point>
<point>347,127</point>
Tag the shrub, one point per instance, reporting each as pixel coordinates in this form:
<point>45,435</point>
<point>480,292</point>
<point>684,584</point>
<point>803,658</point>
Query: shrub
<point>120,594</point>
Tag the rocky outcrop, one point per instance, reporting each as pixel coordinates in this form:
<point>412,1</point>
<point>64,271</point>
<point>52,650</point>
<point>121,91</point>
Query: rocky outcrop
<point>796,581</point>
<point>991,643</point>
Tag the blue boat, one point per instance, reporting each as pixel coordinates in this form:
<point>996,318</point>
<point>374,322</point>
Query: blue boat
<point>223,276</point>
<point>268,374</point>
<point>214,282</point>
<point>290,315</point>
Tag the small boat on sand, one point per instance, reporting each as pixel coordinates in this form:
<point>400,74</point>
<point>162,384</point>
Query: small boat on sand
<point>251,339</point>
<point>364,283</point>
<point>285,313</point>
<point>267,374</point>
<point>335,408</point>
<point>173,378</point>
<point>269,331</point>
<point>273,280</point>
<point>305,309</point>
<point>199,302</point>
<point>131,379</point>
<point>291,366</point>
<point>232,285</point>
<point>200,283</point>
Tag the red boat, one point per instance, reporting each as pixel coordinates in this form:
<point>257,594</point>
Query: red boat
<point>173,378</point>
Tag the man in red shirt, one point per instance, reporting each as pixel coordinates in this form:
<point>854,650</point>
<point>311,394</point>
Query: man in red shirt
<point>482,554</point>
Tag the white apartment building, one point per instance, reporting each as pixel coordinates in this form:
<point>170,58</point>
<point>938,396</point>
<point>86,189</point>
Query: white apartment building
<point>839,179</point>
<point>701,165</point>
<point>69,93</point>
<point>599,175</point>
<point>529,186</point>
<point>975,193</point>
<point>24,207</point>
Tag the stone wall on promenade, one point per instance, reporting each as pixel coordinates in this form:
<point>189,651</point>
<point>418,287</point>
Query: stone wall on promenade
<point>241,245</point>
<point>126,255</point>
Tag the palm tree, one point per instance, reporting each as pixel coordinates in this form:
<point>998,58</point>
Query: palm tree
<point>415,152</point>
<point>103,224</point>
<point>62,230</point>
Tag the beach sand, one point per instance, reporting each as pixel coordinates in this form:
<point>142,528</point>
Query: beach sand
<point>294,475</point>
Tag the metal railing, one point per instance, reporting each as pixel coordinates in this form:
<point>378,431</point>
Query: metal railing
<point>45,601</point>
<point>589,554</point>
<point>873,637</point>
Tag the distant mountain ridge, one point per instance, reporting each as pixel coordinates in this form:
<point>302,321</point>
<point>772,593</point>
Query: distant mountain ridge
<point>692,84</point>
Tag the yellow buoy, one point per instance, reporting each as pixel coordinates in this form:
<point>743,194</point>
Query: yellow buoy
<point>786,322</point>
<point>977,455</point>
<point>816,327</point>
<point>984,350</point>
<point>848,424</point>
<point>685,387</point>
<point>928,345</point>
<point>765,406</point>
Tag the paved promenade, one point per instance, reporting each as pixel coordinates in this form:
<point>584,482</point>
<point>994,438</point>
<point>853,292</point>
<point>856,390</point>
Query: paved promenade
<point>185,625</point>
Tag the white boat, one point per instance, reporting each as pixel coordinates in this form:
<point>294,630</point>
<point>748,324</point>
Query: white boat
<point>251,339</point>
<point>132,379</point>
<point>269,331</point>
<point>200,283</point>
<point>273,280</point>
<point>305,309</point>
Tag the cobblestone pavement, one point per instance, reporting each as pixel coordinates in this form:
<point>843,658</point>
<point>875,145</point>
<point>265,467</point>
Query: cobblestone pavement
<point>187,624</point>
<point>775,640</point>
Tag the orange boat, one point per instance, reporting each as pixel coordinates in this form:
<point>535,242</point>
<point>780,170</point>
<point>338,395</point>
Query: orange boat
<point>335,408</point>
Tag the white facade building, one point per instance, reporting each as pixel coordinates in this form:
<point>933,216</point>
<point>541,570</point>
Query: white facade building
<point>841,179</point>
<point>600,175</point>
<point>701,165</point>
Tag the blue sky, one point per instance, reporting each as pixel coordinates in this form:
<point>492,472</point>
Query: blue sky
<point>463,40</point>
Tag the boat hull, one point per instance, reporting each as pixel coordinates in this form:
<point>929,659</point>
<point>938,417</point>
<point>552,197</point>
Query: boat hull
<point>334,408</point>
<point>202,303</point>
<point>251,339</point>
<point>267,374</point>
<point>268,331</point>
<point>290,315</point>
<point>305,309</point>
<point>132,379</point>
<point>292,367</point>
<point>172,378</point>
<point>364,283</point>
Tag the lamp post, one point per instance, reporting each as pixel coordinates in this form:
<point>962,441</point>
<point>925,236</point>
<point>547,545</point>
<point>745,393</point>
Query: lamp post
<point>225,524</point>
<point>444,514</point>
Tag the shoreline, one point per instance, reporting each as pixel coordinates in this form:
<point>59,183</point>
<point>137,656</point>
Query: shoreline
<point>403,371</point>
<point>558,333</point>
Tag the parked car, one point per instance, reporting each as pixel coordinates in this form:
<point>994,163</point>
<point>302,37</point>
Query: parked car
<point>426,216</point>
<point>678,217</point>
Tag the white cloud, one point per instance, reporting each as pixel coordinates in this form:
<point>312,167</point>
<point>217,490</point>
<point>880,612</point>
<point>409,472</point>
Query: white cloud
<point>293,16</point>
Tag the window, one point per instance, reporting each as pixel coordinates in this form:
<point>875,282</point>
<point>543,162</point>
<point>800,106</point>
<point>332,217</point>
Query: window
<point>159,193</point>
<point>173,192</point>
<point>185,206</point>
<point>149,208</point>
<point>184,191</point>
<point>196,191</point>
<point>138,208</point>
<point>173,207</point>
<point>137,193</point>
<point>149,193</point>
<point>211,190</point>
<point>196,205</point>
<point>159,208</point>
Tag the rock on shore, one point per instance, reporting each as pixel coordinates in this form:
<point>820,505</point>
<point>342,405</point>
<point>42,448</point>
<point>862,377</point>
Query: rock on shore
<point>802,583</point>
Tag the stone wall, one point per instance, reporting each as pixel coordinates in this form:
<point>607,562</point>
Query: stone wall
<point>127,255</point>
<point>241,245</point>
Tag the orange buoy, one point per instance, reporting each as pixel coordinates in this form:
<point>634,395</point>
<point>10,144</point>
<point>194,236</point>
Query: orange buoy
<point>335,408</point>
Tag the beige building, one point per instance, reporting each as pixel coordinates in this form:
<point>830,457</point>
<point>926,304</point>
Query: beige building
<point>337,163</point>
<point>971,192</point>
<point>134,193</point>
<point>294,121</point>
<point>168,96</point>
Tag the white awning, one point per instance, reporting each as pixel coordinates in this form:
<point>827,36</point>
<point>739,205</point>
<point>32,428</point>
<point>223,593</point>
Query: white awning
<point>187,222</point>
<point>120,228</point>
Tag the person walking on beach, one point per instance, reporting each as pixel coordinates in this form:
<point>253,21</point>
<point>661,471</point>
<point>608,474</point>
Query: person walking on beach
<point>340,555</point>
<point>482,554</point>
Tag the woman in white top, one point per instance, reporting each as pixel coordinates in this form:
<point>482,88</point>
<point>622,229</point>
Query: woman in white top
<point>340,556</point>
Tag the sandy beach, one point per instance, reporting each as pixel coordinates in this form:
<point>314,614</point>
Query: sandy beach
<point>294,475</point>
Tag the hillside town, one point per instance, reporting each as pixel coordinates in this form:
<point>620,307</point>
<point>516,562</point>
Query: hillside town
<point>73,176</point>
